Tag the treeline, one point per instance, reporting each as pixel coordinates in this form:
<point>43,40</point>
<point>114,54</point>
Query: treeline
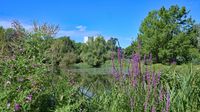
<point>171,35</point>
<point>66,51</point>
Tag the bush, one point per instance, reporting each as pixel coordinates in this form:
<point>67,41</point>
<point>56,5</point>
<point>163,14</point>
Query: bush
<point>69,58</point>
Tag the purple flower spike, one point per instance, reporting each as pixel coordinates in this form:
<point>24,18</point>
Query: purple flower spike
<point>153,109</point>
<point>145,106</point>
<point>161,94</point>
<point>134,82</point>
<point>168,102</point>
<point>153,79</point>
<point>29,98</point>
<point>158,77</point>
<point>136,59</point>
<point>17,107</point>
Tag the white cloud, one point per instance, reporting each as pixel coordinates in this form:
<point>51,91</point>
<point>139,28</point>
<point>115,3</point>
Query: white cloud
<point>81,28</point>
<point>76,33</point>
<point>79,32</point>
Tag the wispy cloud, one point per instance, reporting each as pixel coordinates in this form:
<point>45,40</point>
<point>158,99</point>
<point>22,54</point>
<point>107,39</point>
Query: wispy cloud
<point>79,31</point>
<point>81,28</point>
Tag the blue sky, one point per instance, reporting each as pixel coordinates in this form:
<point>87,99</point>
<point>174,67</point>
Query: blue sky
<point>79,18</point>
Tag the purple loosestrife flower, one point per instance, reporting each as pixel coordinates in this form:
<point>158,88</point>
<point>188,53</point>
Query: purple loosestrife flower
<point>17,107</point>
<point>145,106</point>
<point>154,83</point>
<point>134,82</point>
<point>117,76</point>
<point>158,77</point>
<point>168,102</point>
<point>136,64</point>
<point>144,74</point>
<point>119,55</point>
<point>148,87</point>
<point>135,68</point>
<point>120,61</point>
<point>161,94</point>
<point>153,109</point>
<point>29,98</point>
<point>153,79</point>
<point>148,78</point>
<point>113,65</point>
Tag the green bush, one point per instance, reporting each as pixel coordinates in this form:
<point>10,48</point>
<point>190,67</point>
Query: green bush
<point>69,58</point>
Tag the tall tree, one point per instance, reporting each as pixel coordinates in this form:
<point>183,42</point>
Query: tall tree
<point>112,44</point>
<point>167,34</point>
<point>94,51</point>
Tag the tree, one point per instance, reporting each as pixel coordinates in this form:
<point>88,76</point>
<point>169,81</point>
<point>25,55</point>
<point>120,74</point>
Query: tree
<point>197,29</point>
<point>111,47</point>
<point>198,37</point>
<point>48,30</point>
<point>78,51</point>
<point>63,49</point>
<point>94,51</point>
<point>2,40</point>
<point>167,34</point>
<point>131,49</point>
<point>11,38</point>
<point>112,44</point>
<point>68,44</point>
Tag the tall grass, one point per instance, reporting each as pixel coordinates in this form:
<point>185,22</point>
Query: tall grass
<point>184,89</point>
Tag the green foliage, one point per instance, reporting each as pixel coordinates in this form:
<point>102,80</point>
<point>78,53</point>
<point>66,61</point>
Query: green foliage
<point>23,75</point>
<point>131,49</point>
<point>30,73</point>
<point>111,44</point>
<point>111,47</point>
<point>184,88</point>
<point>64,51</point>
<point>94,51</point>
<point>168,34</point>
<point>69,59</point>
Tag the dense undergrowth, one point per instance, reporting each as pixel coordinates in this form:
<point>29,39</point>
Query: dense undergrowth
<point>32,81</point>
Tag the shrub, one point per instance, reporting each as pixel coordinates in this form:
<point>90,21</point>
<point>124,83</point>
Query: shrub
<point>69,58</point>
